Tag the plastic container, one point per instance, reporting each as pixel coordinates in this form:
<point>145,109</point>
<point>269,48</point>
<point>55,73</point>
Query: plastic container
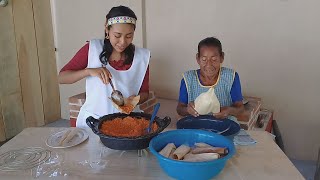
<point>229,128</point>
<point>191,170</point>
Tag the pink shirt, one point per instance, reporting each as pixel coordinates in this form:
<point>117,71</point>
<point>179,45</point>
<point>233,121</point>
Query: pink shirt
<point>80,61</point>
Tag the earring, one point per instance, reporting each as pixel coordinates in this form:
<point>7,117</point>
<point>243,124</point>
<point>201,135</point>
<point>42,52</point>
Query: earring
<point>107,36</point>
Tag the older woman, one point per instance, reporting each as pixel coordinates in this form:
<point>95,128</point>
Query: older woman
<point>225,81</point>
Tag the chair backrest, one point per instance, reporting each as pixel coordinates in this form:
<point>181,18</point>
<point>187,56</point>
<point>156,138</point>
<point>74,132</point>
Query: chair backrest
<point>276,132</point>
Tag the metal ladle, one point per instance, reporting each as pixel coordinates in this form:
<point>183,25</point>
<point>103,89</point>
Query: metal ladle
<point>116,96</point>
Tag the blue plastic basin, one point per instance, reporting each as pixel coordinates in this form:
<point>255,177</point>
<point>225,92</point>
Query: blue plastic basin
<point>190,170</point>
<point>207,122</point>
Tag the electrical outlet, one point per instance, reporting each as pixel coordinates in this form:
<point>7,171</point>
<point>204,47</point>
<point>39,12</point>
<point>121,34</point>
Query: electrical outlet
<point>3,3</point>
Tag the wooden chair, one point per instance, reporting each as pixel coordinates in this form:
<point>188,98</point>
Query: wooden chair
<point>276,132</point>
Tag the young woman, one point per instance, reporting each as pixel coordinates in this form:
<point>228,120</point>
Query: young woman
<point>114,58</point>
<point>225,81</point>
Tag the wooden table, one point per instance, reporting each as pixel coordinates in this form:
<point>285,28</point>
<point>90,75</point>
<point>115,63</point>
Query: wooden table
<point>92,160</point>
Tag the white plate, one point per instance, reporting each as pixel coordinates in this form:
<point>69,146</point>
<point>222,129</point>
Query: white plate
<point>54,139</point>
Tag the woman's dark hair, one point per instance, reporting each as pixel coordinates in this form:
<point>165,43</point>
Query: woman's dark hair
<point>107,47</point>
<point>210,42</point>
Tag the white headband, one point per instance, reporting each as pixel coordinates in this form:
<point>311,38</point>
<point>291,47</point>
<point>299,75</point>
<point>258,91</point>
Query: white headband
<point>121,20</point>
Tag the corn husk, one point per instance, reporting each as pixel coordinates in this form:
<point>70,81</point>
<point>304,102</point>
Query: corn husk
<point>71,135</point>
<point>134,102</point>
<point>181,151</point>
<point>168,150</point>
<point>200,157</point>
<point>219,150</point>
<point>64,137</point>
<point>202,145</point>
<point>207,102</point>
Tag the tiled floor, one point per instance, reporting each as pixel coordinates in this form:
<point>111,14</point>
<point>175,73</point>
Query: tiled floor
<point>306,168</point>
<point>59,123</point>
<point>168,108</point>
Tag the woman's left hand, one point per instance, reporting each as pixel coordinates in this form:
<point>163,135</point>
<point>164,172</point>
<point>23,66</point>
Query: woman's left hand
<point>224,113</point>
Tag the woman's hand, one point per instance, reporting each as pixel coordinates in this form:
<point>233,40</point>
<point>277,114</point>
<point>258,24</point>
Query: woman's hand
<point>224,113</point>
<point>187,109</point>
<point>234,110</point>
<point>191,109</point>
<point>102,73</point>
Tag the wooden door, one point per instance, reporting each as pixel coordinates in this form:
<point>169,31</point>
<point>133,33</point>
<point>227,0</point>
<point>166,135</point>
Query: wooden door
<point>12,119</point>
<point>29,94</point>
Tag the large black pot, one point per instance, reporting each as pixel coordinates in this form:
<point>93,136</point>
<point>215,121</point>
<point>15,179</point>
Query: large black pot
<point>126,143</point>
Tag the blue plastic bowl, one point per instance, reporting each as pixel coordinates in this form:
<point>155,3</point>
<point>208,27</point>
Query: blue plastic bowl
<point>190,170</point>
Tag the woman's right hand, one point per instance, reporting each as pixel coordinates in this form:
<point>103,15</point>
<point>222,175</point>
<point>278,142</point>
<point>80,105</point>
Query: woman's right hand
<point>102,72</point>
<point>191,109</point>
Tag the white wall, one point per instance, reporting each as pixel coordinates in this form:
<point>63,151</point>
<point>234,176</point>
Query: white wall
<point>75,22</point>
<point>274,45</point>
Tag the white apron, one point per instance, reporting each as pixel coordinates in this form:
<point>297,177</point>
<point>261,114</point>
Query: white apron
<point>129,82</point>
